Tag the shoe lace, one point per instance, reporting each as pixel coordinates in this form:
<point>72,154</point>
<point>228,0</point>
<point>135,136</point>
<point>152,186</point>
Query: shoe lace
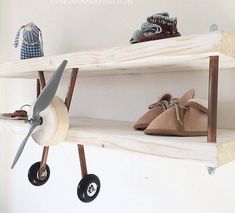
<point>164,104</point>
<point>168,104</point>
<point>176,103</point>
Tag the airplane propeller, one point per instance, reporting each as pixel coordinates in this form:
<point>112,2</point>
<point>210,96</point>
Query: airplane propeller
<point>42,102</point>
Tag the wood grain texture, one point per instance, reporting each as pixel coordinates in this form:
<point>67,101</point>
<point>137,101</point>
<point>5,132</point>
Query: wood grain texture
<point>119,135</point>
<point>174,54</point>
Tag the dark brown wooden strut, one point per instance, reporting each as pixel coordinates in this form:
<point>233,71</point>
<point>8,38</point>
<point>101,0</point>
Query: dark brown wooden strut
<point>69,95</point>
<point>38,88</point>
<point>82,158</point>
<point>42,79</point>
<point>213,99</point>
<point>68,100</point>
<point>42,169</point>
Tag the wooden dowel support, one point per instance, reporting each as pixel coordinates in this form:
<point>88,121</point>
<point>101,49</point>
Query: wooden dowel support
<point>213,99</point>
<point>68,100</point>
<point>42,79</point>
<point>43,163</point>
<point>69,95</point>
<point>42,82</point>
<point>38,87</point>
<point>82,159</point>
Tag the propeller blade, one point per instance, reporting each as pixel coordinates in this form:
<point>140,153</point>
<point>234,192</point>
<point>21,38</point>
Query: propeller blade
<point>21,148</point>
<point>49,91</point>
<point>41,104</point>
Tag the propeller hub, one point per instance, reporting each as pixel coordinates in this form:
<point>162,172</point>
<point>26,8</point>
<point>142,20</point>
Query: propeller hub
<point>38,121</point>
<point>31,121</point>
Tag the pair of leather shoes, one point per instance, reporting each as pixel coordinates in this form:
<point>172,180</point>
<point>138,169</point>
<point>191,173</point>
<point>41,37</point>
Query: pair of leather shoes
<point>185,116</point>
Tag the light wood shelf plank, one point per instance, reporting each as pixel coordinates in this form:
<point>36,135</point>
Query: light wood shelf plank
<point>175,54</point>
<point>119,135</point>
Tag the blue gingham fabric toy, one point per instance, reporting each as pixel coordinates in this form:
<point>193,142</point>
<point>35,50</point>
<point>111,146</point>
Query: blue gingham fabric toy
<point>32,44</point>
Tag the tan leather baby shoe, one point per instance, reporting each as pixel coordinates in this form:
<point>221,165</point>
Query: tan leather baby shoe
<point>154,110</point>
<point>182,119</point>
<point>159,107</point>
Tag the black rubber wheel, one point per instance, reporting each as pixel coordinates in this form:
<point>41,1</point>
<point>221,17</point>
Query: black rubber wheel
<point>33,175</point>
<point>88,188</point>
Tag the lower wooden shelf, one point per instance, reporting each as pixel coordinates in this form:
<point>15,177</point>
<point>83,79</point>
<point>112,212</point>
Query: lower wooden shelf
<point>120,135</point>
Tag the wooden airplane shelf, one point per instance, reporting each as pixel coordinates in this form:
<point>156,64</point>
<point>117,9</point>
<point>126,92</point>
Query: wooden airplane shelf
<point>120,135</point>
<point>175,54</point>
<point>186,53</point>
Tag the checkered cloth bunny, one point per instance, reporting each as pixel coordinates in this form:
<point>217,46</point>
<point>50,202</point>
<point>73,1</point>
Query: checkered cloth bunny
<point>32,44</point>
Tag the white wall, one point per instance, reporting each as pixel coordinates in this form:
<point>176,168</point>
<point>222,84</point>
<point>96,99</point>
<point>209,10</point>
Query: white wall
<point>130,182</point>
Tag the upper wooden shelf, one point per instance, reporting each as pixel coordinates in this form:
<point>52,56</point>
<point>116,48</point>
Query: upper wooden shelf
<point>175,54</point>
